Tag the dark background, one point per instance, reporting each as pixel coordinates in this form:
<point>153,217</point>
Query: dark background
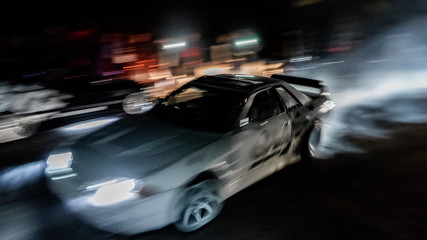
<point>167,19</point>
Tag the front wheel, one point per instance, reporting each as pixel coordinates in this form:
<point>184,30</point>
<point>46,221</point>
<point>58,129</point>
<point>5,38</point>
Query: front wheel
<point>201,205</point>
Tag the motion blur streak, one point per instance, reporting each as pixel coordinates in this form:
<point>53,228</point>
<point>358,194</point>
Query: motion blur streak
<point>90,124</point>
<point>246,42</point>
<point>13,178</point>
<point>378,88</point>
<point>174,45</point>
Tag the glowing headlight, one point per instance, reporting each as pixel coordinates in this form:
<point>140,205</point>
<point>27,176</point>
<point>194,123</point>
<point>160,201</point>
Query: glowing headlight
<point>60,162</point>
<point>114,191</point>
<point>118,190</point>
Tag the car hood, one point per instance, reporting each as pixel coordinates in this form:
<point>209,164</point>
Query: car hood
<point>135,147</point>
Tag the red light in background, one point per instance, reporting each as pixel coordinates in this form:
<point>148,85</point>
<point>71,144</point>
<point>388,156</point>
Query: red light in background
<point>149,60</point>
<point>77,76</point>
<point>190,52</point>
<point>133,67</point>
<point>340,49</point>
<point>159,65</point>
<point>80,34</point>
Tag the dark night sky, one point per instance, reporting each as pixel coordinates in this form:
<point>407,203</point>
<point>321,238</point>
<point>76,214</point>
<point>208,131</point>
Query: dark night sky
<point>269,18</point>
<point>167,17</point>
<point>164,17</point>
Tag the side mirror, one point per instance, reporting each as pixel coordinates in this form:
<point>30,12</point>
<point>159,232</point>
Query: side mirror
<point>136,103</point>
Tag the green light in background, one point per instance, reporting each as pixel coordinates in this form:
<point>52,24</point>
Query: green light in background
<point>246,42</point>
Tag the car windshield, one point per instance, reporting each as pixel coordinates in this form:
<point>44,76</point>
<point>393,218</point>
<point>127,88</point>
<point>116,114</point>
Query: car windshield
<point>202,107</point>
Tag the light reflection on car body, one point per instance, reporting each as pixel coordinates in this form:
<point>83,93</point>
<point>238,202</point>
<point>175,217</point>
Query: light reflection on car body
<point>177,163</point>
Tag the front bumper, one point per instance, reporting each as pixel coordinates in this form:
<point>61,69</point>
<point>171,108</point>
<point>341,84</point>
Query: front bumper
<point>128,217</point>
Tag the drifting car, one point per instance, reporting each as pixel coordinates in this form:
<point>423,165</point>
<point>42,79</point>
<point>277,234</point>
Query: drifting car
<point>178,163</point>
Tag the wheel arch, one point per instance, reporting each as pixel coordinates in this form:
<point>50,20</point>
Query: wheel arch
<point>205,175</point>
<point>303,146</point>
<point>198,178</point>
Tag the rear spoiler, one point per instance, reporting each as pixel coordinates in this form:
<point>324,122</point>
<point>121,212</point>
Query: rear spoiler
<point>309,87</point>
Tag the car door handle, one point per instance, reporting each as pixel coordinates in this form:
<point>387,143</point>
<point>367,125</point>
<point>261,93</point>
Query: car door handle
<point>262,124</point>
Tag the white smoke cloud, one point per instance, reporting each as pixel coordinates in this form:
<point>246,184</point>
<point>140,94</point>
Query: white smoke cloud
<point>376,87</point>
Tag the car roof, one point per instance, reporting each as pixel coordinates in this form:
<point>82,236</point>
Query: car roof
<point>237,82</point>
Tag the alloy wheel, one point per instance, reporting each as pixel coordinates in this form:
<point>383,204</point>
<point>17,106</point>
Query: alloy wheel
<point>202,205</point>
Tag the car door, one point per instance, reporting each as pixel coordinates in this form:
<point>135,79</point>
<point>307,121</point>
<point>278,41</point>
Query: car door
<point>294,109</point>
<point>264,131</point>
<point>279,126</point>
<point>270,119</point>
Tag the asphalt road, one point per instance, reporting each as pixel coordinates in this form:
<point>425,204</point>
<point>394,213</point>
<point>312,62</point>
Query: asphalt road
<point>379,194</point>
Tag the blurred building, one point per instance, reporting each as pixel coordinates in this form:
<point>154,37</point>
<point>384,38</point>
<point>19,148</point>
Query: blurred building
<point>180,54</point>
<point>244,43</point>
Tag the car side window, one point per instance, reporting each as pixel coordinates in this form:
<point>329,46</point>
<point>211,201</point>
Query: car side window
<point>264,106</point>
<point>287,98</point>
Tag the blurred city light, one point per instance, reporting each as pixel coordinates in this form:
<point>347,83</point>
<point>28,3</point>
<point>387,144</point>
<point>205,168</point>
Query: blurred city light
<point>174,45</point>
<point>300,59</point>
<point>246,42</point>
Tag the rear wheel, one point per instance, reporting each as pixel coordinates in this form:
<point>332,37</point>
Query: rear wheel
<point>201,205</point>
<point>311,142</point>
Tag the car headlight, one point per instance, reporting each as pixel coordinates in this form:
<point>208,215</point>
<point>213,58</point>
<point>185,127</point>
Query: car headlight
<point>118,190</point>
<point>59,163</point>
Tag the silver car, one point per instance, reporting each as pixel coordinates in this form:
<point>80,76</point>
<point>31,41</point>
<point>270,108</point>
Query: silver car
<point>177,163</point>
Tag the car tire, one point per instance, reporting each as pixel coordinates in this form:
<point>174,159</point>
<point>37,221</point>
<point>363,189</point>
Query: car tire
<point>201,204</point>
<point>311,142</point>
